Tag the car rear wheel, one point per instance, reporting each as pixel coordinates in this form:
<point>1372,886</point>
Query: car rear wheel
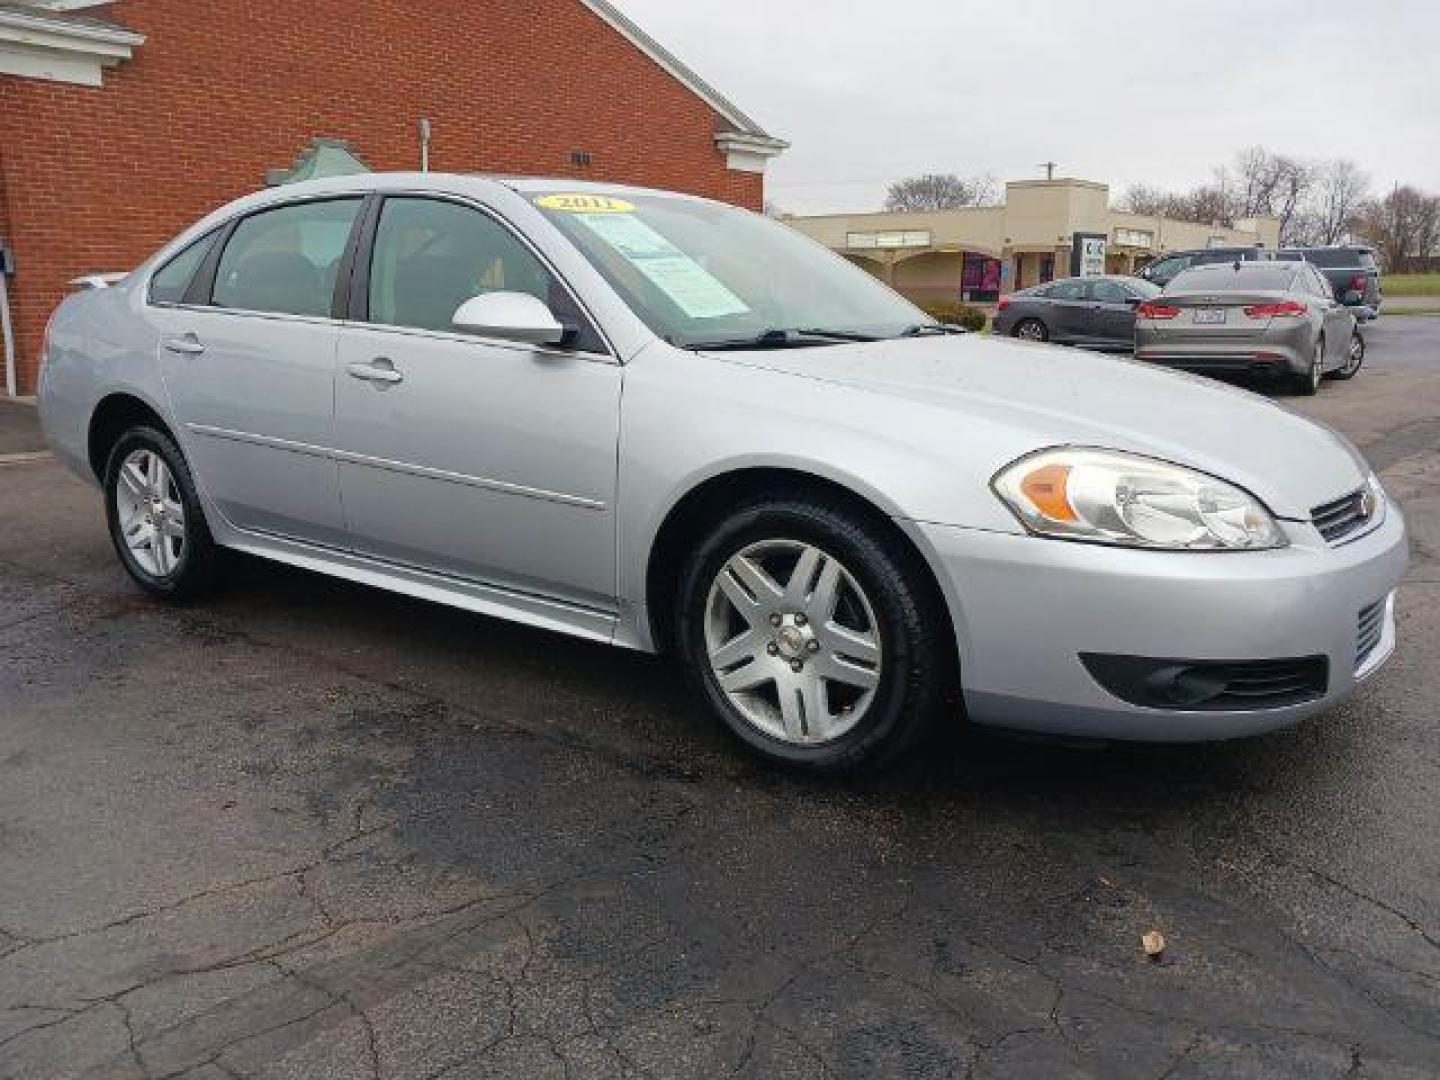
<point>156,522</point>
<point>811,638</point>
<point>1308,384</point>
<point>1031,330</point>
<point>1354,358</point>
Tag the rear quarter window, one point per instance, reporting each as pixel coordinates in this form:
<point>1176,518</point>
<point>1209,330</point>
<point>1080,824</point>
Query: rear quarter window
<point>1340,258</point>
<point>171,281</point>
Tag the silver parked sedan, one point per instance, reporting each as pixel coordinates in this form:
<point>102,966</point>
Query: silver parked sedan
<point>1273,320</point>
<point>664,423</point>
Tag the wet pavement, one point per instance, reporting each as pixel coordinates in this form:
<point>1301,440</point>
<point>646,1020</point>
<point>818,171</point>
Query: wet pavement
<point>306,829</point>
<point>19,428</point>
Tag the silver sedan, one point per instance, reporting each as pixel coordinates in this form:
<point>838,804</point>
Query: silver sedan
<point>664,423</point>
<point>1273,320</point>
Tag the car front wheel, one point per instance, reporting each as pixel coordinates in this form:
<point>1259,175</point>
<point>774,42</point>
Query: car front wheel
<point>811,637</point>
<point>156,522</point>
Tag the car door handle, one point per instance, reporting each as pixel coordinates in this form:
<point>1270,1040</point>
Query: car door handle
<point>378,370</point>
<point>189,345</point>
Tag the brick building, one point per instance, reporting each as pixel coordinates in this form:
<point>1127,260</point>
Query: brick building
<point>121,122</point>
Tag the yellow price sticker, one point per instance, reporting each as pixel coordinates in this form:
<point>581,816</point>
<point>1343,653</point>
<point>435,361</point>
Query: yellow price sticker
<point>584,204</point>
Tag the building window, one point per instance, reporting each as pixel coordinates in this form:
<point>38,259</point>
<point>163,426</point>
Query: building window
<point>1142,238</point>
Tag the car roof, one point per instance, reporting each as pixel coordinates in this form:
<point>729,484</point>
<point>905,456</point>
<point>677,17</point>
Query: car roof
<point>1209,250</point>
<point>1368,248</point>
<point>478,185</point>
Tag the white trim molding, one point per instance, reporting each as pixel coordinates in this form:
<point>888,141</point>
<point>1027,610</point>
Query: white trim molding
<point>748,145</point>
<point>748,153</point>
<point>44,44</point>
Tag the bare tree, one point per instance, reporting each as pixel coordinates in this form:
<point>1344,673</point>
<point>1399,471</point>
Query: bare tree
<point>941,191</point>
<point>1146,199</point>
<point>1403,226</point>
<point>1340,188</point>
<point>1267,184</point>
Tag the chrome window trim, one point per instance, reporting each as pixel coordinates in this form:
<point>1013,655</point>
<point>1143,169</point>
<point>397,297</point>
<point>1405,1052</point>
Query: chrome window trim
<point>610,357</point>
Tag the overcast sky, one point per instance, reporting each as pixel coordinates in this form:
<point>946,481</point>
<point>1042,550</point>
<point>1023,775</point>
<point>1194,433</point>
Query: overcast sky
<point>870,90</point>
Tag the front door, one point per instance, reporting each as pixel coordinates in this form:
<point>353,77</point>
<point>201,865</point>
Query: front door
<point>488,460</point>
<point>248,363</point>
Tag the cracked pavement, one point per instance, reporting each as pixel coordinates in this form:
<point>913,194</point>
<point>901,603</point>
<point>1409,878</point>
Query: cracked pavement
<point>306,829</point>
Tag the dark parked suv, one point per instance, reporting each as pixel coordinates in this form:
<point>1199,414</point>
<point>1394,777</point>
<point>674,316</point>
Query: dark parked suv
<point>1352,272</point>
<point>1164,269</point>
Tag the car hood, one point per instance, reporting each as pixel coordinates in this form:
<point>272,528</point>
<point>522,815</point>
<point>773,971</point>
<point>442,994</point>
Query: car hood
<point>1044,395</point>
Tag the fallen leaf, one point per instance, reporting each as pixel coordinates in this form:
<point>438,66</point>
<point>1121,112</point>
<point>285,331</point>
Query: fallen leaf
<point>1154,943</point>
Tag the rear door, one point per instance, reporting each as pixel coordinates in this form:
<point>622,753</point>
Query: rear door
<point>1067,310</point>
<point>248,355</point>
<point>1112,313</point>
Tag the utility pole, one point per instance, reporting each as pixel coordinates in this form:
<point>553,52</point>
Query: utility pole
<point>1049,167</point>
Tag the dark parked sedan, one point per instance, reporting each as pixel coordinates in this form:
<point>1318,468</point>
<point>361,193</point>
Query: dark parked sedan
<point>1098,311</point>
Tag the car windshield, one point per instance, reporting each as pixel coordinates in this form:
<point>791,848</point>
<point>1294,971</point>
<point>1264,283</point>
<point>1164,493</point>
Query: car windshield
<point>703,274</point>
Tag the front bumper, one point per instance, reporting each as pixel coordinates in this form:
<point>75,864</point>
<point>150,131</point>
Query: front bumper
<point>1026,608</point>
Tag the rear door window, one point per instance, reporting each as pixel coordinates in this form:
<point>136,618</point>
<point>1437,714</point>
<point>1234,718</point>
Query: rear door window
<point>1108,292</point>
<point>1067,290</point>
<point>286,260</point>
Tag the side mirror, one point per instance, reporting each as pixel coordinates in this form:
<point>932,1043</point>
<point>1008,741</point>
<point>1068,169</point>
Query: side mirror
<point>511,316</point>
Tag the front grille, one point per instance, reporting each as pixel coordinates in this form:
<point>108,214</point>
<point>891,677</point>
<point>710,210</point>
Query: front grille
<point>1337,520</point>
<point>1234,685</point>
<point>1369,627</point>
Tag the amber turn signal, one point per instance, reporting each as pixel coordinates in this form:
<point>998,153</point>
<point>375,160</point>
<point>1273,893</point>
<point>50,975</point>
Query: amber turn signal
<point>1045,488</point>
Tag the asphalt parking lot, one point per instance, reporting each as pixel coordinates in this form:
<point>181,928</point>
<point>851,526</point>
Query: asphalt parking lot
<point>310,830</point>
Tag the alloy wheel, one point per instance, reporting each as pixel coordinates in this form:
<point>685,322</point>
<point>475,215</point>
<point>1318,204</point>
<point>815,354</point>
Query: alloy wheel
<point>151,513</point>
<point>1030,330</point>
<point>1355,355</point>
<point>793,641</point>
<point>1317,365</point>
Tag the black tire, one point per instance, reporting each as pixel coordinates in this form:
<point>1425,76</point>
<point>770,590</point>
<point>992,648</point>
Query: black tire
<point>1308,384</point>
<point>1038,331</point>
<point>195,571</point>
<point>919,665</point>
<point>1354,360</point>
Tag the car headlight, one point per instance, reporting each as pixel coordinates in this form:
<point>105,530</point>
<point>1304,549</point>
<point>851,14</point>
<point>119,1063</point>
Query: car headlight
<point>1109,497</point>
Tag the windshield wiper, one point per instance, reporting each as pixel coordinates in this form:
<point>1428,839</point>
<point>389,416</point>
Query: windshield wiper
<point>920,329</point>
<point>785,339</point>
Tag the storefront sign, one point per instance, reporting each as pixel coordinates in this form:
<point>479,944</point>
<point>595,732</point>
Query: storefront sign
<point>1087,255</point>
<point>917,238</point>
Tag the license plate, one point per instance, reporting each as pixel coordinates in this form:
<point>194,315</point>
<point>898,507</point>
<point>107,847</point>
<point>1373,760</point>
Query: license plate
<point>1210,315</point>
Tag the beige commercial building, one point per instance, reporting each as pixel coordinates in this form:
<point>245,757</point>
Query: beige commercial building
<point>1042,226</point>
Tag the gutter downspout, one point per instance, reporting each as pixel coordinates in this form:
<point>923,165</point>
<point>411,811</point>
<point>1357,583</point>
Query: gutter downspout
<point>11,389</point>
